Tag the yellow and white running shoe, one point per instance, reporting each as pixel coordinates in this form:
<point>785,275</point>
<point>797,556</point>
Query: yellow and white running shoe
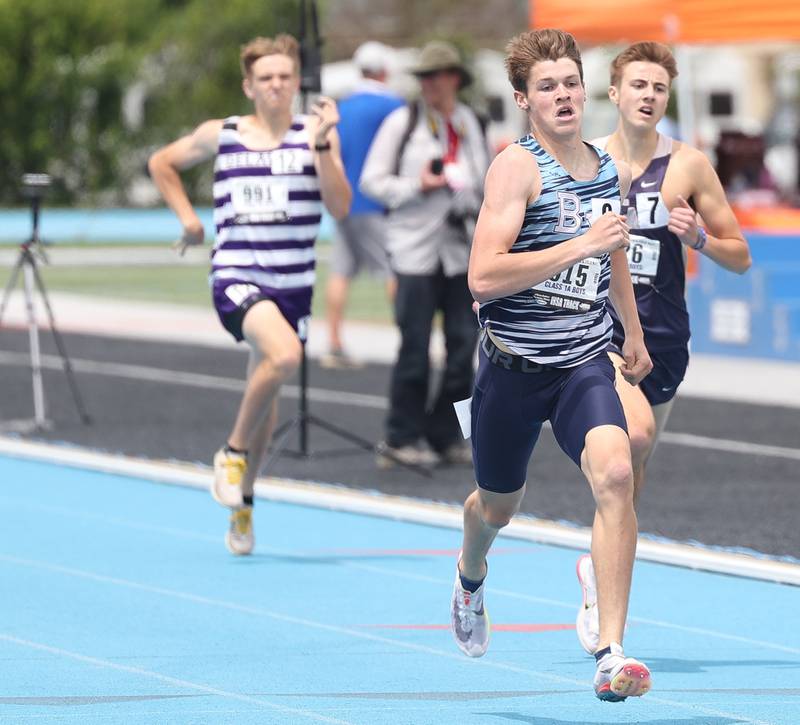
<point>239,538</point>
<point>229,471</point>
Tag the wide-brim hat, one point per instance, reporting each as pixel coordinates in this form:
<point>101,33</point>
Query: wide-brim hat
<point>439,55</point>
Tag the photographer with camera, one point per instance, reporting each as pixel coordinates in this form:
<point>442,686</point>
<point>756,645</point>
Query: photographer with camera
<point>427,165</point>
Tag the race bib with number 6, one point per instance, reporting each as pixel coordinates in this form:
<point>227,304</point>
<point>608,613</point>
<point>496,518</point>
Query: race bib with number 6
<point>643,256</point>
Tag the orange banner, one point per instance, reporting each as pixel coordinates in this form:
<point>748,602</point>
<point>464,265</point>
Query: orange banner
<point>669,21</point>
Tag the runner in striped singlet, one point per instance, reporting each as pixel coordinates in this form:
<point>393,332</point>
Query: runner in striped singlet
<point>273,172</point>
<point>547,253</point>
<point>672,183</point>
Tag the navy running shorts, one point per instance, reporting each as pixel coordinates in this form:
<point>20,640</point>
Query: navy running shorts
<point>669,369</point>
<point>509,405</point>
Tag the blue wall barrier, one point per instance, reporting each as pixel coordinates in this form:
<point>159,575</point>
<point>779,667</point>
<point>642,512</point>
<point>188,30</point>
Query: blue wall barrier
<point>753,315</point>
<point>108,226</point>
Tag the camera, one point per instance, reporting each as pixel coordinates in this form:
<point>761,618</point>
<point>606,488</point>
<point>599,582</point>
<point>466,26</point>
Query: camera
<point>437,166</point>
<point>34,186</point>
<point>310,49</point>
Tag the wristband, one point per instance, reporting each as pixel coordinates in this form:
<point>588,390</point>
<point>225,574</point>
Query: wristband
<point>702,238</point>
<point>322,146</point>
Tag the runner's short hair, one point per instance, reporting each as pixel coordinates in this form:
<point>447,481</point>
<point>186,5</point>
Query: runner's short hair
<point>528,48</point>
<point>282,44</point>
<point>647,51</point>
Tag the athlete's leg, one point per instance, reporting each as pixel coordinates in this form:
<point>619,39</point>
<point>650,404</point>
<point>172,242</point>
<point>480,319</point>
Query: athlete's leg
<point>277,351</point>
<point>485,513</point>
<point>260,440</point>
<point>661,416</point>
<point>645,423</point>
<point>641,424</point>
<point>606,462</point>
<point>503,437</point>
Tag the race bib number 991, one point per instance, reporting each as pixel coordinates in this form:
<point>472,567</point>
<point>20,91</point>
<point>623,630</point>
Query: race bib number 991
<point>260,200</point>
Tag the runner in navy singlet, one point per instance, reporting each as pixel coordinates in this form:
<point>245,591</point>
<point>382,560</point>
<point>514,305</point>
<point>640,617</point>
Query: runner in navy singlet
<point>672,183</point>
<point>548,251</point>
<point>273,171</point>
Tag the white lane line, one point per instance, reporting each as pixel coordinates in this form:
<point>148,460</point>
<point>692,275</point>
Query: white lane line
<point>193,380</point>
<point>322,395</point>
<point>362,400</point>
<point>729,446</point>
<point>375,569</point>
<point>186,684</point>
<point>572,606</point>
<point>337,629</point>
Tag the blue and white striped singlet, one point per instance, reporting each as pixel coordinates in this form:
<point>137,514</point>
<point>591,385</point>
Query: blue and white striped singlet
<point>267,211</point>
<point>562,321</point>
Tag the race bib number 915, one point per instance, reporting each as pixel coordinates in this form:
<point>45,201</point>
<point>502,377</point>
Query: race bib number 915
<point>574,288</point>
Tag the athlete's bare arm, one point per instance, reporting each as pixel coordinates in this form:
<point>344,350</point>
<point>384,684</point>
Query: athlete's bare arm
<point>512,183</point>
<point>726,244</point>
<point>334,187</point>
<point>636,361</point>
<point>165,166</point>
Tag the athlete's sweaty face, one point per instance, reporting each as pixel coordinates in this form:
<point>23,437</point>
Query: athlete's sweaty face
<point>272,82</point>
<point>642,94</point>
<point>555,96</point>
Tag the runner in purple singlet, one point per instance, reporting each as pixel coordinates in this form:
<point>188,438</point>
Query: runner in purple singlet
<point>273,172</point>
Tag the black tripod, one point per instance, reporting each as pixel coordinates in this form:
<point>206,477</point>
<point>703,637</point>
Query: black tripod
<point>310,82</point>
<point>34,186</point>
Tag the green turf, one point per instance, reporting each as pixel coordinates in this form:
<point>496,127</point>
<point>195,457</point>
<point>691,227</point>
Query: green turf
<point>188,285</point>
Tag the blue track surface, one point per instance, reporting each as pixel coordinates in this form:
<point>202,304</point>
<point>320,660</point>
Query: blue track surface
<point>121,605</point>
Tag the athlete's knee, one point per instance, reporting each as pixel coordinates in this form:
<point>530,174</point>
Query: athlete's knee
<point>287,361</point>
<point>283,362</point>
<point>496,514</point>
<point>642,436</point>
<point>614,482</point>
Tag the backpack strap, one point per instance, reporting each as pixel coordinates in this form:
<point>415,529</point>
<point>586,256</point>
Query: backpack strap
<point>413,115</point>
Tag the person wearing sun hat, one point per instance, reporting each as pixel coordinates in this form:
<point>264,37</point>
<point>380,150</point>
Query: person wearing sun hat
<point>426,166</point>
<point>441,56</point>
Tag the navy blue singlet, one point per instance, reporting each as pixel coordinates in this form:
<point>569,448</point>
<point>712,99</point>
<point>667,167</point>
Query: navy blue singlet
<point>656,259</point>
